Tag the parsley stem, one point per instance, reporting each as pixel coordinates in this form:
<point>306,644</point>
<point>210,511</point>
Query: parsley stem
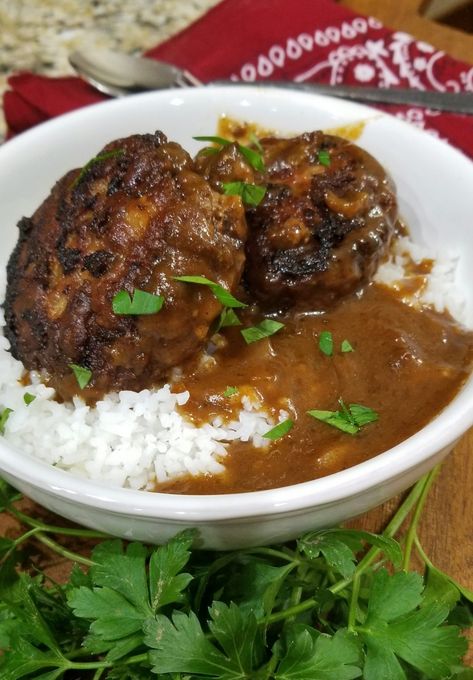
<point>390,531</point>
<point>91,665</point>
<point>290,611</point>
<point>17,542</point>
<point>51,529</point>
<point>270,552</point>
<point>411,532</point>
<point>422,553</point>
<point>352,611</point>
<point>64,552</point>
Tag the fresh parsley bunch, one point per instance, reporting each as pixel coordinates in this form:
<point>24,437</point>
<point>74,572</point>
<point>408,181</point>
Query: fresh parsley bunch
<point>308,610</point>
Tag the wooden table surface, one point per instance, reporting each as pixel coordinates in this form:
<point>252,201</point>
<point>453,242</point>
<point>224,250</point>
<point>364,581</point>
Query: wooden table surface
<point>447,522</point>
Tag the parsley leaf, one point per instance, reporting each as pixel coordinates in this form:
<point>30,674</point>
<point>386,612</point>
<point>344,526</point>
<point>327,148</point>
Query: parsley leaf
<point>221,293</point>
<point>396,627</point>
<point>4,415</point>
<point>8,495</point>
<point>339,547</point>
<point>362,415</point>
<point>324,157</point>
<point>279,430</point>
<point>227,318</point>
<point>142,303</point>
<point>309,654</point>
<point>24,658</point>
<point>263,330</point>
<point>346,346</point>
<point>251,194</point>
<point>253,158</point>
<point>326,343</point>
<point>181,646</point>
<point>335,419</point>
<point>83,375</point>
<point>127,589</point>
<point>28,398</point>
<point>93,161</point>
<point>230,391</point>
<point>255,141</point>
<point>348,419</point>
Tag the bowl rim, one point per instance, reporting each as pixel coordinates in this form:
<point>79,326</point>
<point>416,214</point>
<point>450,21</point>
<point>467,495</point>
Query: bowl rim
<point>439,434</point>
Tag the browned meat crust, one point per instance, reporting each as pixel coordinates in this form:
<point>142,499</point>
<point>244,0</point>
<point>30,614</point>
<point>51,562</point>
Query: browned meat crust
<point>321,229</point>
<point>137,217</point>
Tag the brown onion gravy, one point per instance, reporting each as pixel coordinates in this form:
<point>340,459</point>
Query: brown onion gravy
<point>407,365</point>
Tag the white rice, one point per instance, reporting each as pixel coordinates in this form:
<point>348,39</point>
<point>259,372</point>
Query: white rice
<point>134,439</point>
<point>440,290</point>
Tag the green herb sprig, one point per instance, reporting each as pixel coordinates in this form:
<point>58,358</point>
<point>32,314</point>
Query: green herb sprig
<point>82,374</point>
<point>253,158</point>
<point>349,419</point>
<point>279,430</point>
<point>324,158</point>
<point>142,303</point>
<point>251,194</point>
<point>221,293</point>
<point>115,153</point>
<point>264,329</point>
<point>4,415</point>
<point>337,604</point>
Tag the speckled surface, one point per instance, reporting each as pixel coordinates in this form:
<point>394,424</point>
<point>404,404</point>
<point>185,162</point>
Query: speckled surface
<point>38,35</point>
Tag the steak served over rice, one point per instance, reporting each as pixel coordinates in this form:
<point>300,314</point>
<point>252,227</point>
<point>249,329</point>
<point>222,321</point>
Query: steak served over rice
<point>133,218</point>
<point>324,224</point>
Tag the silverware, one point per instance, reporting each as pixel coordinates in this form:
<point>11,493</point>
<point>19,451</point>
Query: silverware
<point>118,75</point>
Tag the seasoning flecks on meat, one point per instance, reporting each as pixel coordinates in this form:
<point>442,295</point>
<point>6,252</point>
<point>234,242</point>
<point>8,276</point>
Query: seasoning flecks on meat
<point>136,216</point>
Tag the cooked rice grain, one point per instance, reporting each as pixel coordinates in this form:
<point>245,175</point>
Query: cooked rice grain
<point>134,439</point>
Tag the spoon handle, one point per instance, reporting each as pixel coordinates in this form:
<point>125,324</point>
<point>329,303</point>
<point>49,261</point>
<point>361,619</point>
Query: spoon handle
<point>458,102</point>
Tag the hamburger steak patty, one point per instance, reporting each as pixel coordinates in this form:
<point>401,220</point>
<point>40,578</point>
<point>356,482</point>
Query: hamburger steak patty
<point>134,217</point>
<point>324,224</point>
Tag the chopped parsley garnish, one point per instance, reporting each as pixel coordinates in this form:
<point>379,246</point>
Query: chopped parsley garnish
<point>253,158</point>
<point>251,194</point>
<point>213,139</point>
<point>93,161</point>
<point>83,375</point>
<point>326,343</point>
<point>346,347</point>
<point>4,415</point>
<point>348,419</point>
<point>262,330</point>
<point>227,318</point>
<point>279,430</point>
<point>324,158</point>
<point>222,295</point>
<point>141,303</point>
<point>255,141</point>
<point>28,398</point>
<point>230,391</point>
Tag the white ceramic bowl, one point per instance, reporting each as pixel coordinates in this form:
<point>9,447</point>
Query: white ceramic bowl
<point>435,189</point>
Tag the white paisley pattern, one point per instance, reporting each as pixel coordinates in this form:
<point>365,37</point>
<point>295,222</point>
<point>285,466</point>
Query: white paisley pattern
<point>345,53</point>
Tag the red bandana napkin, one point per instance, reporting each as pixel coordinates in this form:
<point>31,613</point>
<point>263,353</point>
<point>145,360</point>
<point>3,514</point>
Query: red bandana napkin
<point>248,40</point>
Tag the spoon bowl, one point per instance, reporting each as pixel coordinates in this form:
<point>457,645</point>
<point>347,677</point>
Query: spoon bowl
<point>119,74</point>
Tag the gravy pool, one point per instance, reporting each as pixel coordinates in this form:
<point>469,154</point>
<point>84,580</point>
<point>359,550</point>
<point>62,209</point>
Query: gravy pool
<point>407,365</point>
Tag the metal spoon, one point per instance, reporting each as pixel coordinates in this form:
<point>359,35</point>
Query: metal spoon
<point>118,75</point>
